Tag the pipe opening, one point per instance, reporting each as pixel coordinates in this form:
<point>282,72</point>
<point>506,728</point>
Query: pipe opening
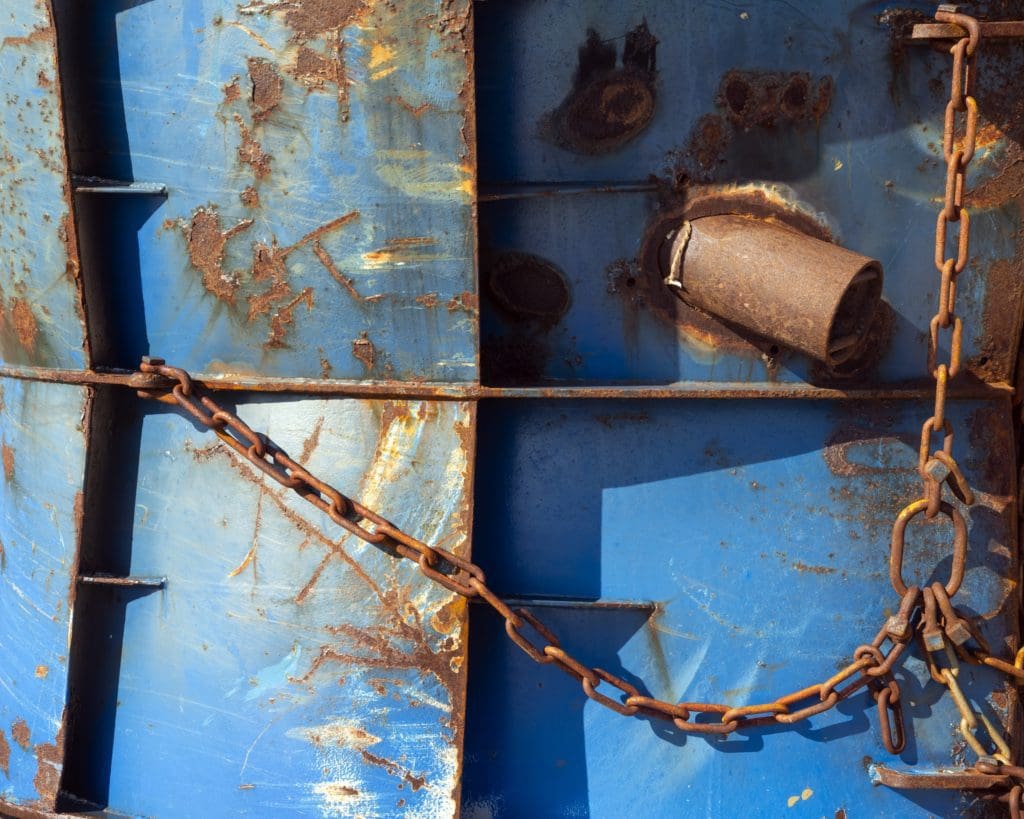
<point>854,314</point>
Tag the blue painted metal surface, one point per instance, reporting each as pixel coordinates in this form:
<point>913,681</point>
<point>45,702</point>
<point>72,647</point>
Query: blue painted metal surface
<point>42,435</point>
<point>284,666</point>
<point>315,224</point>
<point>759,530</point>
<point>866,164</point>
<point>318,161</point>
<point>41,318</point>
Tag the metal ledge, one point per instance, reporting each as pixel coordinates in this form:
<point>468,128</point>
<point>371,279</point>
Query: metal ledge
<point>452,391</point>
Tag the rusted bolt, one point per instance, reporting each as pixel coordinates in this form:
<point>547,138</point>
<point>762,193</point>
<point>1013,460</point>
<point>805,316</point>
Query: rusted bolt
<point>774,281</point>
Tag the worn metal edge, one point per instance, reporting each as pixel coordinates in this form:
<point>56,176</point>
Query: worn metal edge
<point>453,391</point>
<point>70,239</point>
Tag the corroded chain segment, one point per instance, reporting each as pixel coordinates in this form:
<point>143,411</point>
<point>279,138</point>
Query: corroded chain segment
<point>871,666</point>
<point>938,467</point>
<point>940,627</point>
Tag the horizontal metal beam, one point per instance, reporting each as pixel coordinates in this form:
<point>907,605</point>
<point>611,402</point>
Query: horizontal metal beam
<point>123,582</point>
<point>956,779</point>
<point>536,190</point>
<point>572,603</point>
<point>1002,30</point>
<point>451,391</point>
<point>94,184</point>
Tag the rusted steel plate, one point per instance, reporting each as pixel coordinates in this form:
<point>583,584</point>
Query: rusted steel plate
<point>284,667</point>
<point>42,438</point>
<point>759,530</point>
<point>320,167</point>
<point>41,315</point>
<point>822,109</point>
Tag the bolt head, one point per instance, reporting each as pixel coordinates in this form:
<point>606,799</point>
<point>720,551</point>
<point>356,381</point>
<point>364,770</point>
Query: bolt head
<point>934,641</point>
<point>958,633</point>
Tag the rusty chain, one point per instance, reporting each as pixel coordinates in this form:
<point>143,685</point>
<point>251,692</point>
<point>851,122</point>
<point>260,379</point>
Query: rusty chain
<point>871,666</point>
<point>947,637</point>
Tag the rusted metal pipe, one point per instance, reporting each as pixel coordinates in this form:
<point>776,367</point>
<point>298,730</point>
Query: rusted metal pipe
<point>804,293</point>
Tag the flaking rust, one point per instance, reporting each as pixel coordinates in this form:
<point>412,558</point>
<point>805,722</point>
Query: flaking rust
<point>609,104</point>
<point>36,199</point>
<point>266,286</point>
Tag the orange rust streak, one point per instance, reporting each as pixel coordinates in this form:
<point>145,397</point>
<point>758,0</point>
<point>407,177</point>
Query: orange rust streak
<point>8,457</point>
<point>351,216</point>
<point>341,278</point>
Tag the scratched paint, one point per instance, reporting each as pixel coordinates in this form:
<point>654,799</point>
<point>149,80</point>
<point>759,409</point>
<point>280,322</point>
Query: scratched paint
<point>329,183</point>
<point>41,320</point>
<point>39,508</point>
<point>287,662</point>
<point>861,153</point>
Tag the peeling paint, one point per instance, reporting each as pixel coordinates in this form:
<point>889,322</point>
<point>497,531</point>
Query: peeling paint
<point>21,734</point>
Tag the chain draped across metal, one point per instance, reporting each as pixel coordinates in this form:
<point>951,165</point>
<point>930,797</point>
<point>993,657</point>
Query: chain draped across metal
<point>926,613</point>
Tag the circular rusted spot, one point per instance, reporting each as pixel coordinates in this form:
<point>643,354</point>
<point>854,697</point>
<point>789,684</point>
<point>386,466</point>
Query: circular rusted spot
<point>528,286</point>
<point>609,111</point>
<point>737,95</point>
<point>794,96</point>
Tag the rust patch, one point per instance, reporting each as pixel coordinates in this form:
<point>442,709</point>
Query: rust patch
<point>43,80</point>
<point>313,441</point>
<point>363,349</point>
<point>465,301</point>
<point>48,769</point>
<point>1000,320</point>
<point>525,286</point>
<point>317,70</point>
<point>37,35</point>
<point>250,197</point>
<point>751,101</point>
<point>5,755</point>
<point>206,240</point>
<point>805,568</point>
<point>232,91</point>
<point>416,110</point>
<point>8,457</point>
<point>608,105</point>
<point>332,268</point>
<point>21,734</point>
<point>267,87</point>
<point>311,18</point>
<point>251,151</point>
<point>394,769</point>
<point>709,140</point>
<point>428,300</point>
<point>25,325</point>
<point>763,98</point>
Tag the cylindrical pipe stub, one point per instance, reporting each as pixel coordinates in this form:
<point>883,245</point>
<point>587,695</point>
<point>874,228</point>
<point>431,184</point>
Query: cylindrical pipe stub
<point>768,278</point>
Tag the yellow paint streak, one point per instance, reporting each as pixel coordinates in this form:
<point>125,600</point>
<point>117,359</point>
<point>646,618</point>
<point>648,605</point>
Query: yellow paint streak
<point>245,562</point>
<point>381,61</point>
<point>807,794</point>
<point>426,175</point>
<point>792,801</point>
